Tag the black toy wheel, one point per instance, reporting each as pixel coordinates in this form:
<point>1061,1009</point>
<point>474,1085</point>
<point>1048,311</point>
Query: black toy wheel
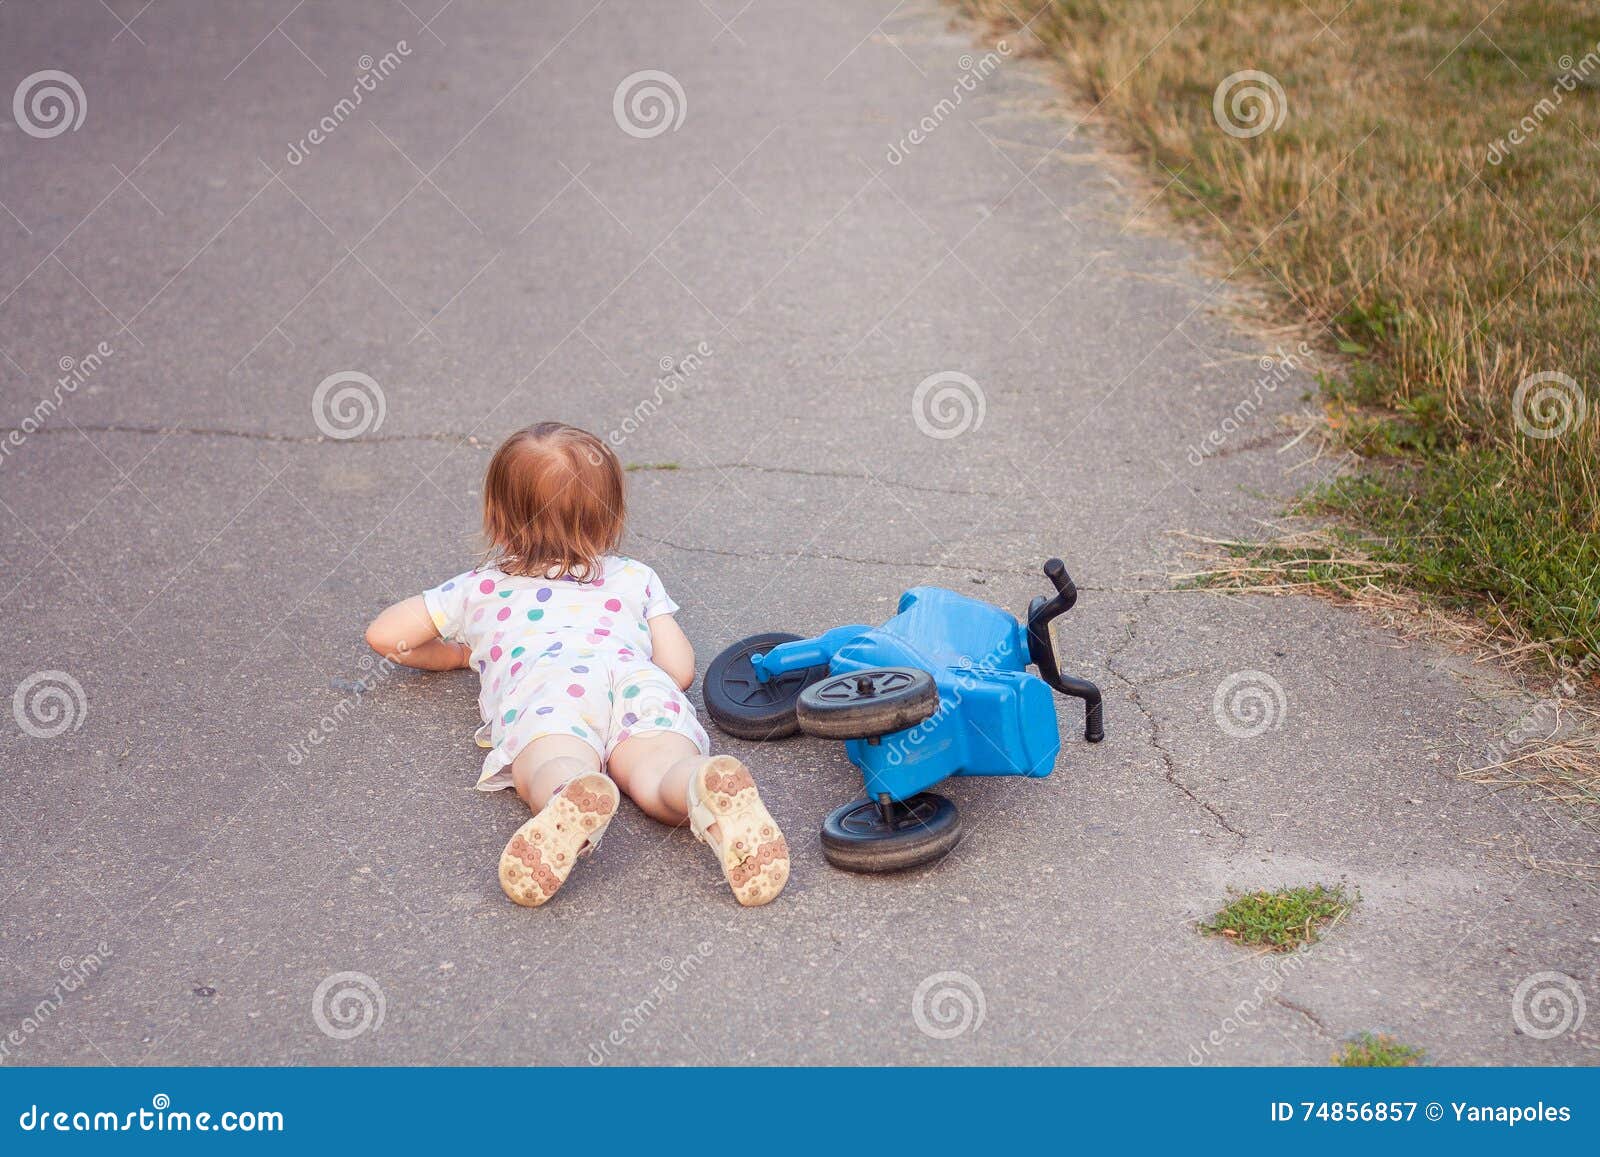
<point>742,705</point>
<point>866,704</point>
<point>858,838</point>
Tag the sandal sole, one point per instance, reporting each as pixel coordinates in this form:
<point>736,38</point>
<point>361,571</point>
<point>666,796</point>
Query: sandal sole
<point>754,855</point>
<point>538,859</point>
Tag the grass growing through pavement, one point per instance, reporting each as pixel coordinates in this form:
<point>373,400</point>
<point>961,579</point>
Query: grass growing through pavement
<point>1378,1051</point>
<point>1447,260</point>
<point>1281,920</point>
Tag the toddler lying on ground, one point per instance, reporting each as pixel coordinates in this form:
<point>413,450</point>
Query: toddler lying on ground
<point>581,671</point>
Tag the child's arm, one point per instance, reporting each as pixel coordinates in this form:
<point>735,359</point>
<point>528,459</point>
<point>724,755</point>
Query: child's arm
<point>671,651</point>
<point>405,634</point>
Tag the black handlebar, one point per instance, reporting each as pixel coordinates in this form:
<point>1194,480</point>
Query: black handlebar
<point>1041,649</point>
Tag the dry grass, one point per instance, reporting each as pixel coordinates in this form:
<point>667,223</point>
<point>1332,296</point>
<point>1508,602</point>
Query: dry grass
<point>1335,562</point>
<point>1390,209</point>
<point>1564,763</point>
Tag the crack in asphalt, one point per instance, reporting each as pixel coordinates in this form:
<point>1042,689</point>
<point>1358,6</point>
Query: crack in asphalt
<point>1168,758</point>
<point>473,440</point>
<point>814,556</point>
<point>1244,447</point>
<point>652,468</point>
<point>248,435</point>
<point>1293,1006</point>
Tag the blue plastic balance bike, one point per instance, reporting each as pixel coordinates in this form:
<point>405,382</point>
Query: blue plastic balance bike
<point>941,689</point>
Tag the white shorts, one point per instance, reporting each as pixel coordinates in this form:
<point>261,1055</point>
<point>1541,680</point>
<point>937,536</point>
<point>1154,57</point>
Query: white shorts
<point>600,705</point>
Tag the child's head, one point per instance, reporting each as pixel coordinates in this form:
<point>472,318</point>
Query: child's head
<point>552,502</point>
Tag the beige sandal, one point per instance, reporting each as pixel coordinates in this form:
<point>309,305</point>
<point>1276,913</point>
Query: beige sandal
<point>538,859</point>
<point>754,856</point>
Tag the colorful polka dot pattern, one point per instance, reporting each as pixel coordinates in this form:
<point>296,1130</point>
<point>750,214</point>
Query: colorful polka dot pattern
<point>575,665</point>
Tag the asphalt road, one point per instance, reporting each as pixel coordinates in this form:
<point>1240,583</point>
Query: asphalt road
<point>492,236</point>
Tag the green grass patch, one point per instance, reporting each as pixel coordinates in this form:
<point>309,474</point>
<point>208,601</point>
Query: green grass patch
<point>1281,920</point>
<point>1423,190</point>
<point>653,466</point>
<point>1378,1051</point>
<point>1467,529</point>
<point>1460,530</point>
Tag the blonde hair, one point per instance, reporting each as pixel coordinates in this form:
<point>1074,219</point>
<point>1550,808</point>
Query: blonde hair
<point>553,503</point>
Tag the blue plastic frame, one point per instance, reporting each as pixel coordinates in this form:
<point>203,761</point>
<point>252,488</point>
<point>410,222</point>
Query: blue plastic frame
<point>994,718</point>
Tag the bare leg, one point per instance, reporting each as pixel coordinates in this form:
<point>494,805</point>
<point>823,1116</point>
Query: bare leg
<point>656,770</point>
<point>547,763</point>
<point>653,771</point>
<point>544,850</point>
